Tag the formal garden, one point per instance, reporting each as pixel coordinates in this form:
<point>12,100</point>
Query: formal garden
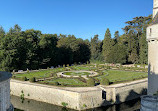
<point>83,75</point>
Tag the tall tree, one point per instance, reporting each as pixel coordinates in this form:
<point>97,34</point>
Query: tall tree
<point>32,48</point>
<point>118,54</point>
<point>143,53</point>
<point>116,36</point>
<point>107,44</point>
<point>48,50</point>
<point>95,48</point>
<point>133,47</point>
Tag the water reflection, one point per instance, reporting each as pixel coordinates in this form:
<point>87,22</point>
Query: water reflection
<point>31,105</point>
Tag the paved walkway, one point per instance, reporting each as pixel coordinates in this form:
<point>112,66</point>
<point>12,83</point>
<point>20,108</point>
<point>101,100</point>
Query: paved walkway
<point>92,74</point>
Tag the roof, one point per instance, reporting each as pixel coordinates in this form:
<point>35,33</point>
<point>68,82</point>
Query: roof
<point>5,76</point>
<point>155,20</point>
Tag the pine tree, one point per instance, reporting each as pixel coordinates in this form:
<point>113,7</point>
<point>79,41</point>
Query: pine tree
<point>133,47</point>
<point>118,54</point>
<point>143,53</point>
<point>107,44</point>
<point>95,48</point>
<point>116,36</point>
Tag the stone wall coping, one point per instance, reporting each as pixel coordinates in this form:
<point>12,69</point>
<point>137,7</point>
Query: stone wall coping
<point>150,98</point>
<point>127,84</point>
<point>71,89</point>
<point>5,76</point>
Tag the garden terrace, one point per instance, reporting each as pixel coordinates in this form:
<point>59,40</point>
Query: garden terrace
<point>77,76</point>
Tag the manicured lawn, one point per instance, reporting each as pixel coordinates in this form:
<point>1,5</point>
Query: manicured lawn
<point>117,75</point>
<point>114,76</point>
<point>66,81</point>
<point>40,74</point>
<point>76,73</point>
<point>81,68</point>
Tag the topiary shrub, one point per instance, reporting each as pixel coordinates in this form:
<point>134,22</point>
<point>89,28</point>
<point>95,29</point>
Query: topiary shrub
<point>108,67</point>
<point>80,76</point>
<point>33,79</point>
<point>56,83</point>
<point>90,82</point>
<point>87,76</point>
<point>104,81</point>
<point>24,79</point>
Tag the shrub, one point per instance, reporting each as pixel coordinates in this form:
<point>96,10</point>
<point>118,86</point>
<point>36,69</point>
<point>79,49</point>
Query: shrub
<point>28,71</point>
<point>108,67</point>
<point>97,80</point>
<point>84,105</point>
<point>90,82</point>
<point>56,83</point>
<point>33,79</point>
<point>63,84</point>
<point>24,79</point>
<point>64,104</point>
<point>14,76</point>
<point>104,81</point>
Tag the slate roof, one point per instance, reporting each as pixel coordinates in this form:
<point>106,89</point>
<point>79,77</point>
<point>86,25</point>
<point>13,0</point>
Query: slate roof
<point>4,76</point>
<point>155,20</point>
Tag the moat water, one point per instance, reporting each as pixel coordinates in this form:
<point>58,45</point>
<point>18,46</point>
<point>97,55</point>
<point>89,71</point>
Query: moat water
<point>31,105</point>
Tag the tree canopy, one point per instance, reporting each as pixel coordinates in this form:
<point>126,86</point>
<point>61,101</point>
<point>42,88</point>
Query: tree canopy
<point>32,49</point>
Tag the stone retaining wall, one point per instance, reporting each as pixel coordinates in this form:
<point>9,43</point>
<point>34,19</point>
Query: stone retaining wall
<point>126,91</point>
<point>80,98</point>
<point>75,99</point>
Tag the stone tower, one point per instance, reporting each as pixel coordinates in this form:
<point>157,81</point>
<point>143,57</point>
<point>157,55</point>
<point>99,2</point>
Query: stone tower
<point>5,104</point>
<point>155,7</point>
<point>152,38</point>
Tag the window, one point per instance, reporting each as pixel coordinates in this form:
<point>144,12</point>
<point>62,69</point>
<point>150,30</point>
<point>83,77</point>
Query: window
<point>150,31</point>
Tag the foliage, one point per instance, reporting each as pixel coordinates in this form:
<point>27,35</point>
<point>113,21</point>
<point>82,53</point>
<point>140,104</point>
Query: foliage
<point>56,83</point>
<point>30,49</point>
<point>104,81</point>
<point>33,79</point>
<point>96,48</point>
<point>64,104</point>
<point>24,78</point>
<point>84,105</point>
<point>117,54</point>
<point>107,45</point>
<point>90,82</point>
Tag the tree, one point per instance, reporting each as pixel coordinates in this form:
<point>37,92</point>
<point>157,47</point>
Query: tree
<point>12,51</point>
<point>32,48</point>
<point>48,50</point>
<point>137,26</point>
<point>116,36</point>
<point>133,47</point>
<point>118,54</point>
<point>107,44</point>
<point>2,33</point>
<point>95,48</point>
<point>143,48</point>
<point>74,50</point>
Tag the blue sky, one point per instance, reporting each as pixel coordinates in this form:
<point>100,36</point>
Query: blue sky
<point>83,18</point>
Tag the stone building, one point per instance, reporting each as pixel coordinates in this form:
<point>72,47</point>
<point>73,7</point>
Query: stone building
<point>5,104</point>
<point>152,38</point>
